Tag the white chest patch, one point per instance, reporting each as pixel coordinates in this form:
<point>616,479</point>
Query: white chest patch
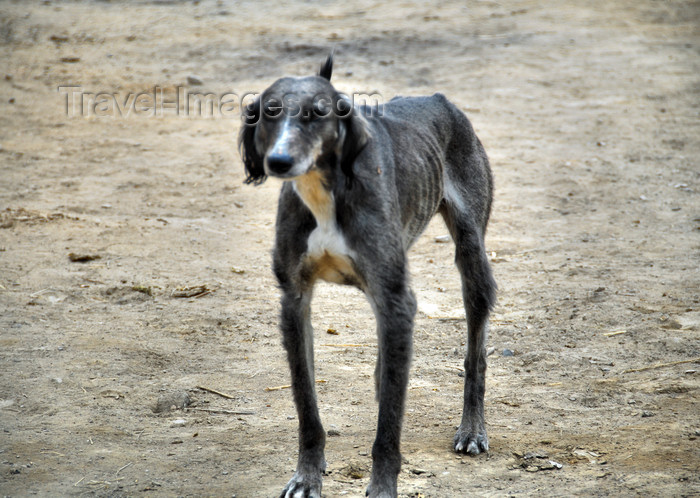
<point>327,251</point>
<point>327,238</point>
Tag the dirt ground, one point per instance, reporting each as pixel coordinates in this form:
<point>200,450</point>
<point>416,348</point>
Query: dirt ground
<point>590,112</point>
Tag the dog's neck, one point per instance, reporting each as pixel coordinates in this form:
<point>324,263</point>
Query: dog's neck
<point>312,189</point>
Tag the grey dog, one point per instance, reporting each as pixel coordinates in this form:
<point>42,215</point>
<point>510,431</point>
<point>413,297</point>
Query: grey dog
<point>360,185</point>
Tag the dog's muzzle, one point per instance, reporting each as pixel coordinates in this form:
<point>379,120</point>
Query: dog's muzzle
<point>279,164</point>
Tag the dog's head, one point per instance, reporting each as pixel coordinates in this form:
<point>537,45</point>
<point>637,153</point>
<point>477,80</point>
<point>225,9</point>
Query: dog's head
<point>298,124</point>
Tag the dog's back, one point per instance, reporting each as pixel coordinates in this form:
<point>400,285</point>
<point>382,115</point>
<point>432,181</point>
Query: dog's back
<point>428,149</point>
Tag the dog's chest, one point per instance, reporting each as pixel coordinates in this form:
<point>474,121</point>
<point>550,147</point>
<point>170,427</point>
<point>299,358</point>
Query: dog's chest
<point>328,256</point>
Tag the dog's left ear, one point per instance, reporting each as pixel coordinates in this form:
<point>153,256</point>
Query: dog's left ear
<point>354,134</point>
<point>252,160</point>
<point>327,68</point>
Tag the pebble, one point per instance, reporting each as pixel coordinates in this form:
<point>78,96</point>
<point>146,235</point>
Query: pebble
<point>172,401</point>
<point>194,80</point>
<point>442,239</point>
<point>508,352</point>
<point>181,422</point>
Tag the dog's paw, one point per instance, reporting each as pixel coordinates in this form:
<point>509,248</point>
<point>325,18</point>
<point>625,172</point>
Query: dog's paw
<point>303,486</point>
<point>471,441</point>
<point>378,492</point>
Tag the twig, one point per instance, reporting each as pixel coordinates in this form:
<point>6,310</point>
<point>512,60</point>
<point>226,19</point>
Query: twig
<point>191,291</point>
<point>613,334</point>
<point>39,293</point>
<point>214,391</point>
<point>224,412</point>
<point>122,468</point>
<point>81,480</point>
<point>348,345</point>
<point>52,453</point>
<point>101,483</point>
<point>452,367</point>
<point>277,388</point>
<point>661,365</point>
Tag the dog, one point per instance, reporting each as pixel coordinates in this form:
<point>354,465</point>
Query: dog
<point>360,185</point>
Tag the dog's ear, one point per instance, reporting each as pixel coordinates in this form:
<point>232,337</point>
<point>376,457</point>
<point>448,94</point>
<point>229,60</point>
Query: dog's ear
<point>354,134</point>
<point>252,160</point>
<point>327,68</point>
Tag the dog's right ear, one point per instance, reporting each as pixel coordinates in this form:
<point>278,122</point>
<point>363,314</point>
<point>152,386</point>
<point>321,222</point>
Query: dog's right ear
<point>354,135</point>
<point>327,68</point>
<point>252,160</point>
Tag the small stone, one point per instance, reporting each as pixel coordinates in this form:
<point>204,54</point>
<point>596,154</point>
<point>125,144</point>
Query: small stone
<point>508,352</point>
<point>419,471</point>
<point>194,80</point>
<point>333,433</point>
<point>442,239</point>
<point>535,454</point>
<point>646,414</point>
<point>172,401</point>
<point>181,422</point>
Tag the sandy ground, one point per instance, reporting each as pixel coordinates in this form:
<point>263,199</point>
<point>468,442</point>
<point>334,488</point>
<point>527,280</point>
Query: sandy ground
<point>590,112</point>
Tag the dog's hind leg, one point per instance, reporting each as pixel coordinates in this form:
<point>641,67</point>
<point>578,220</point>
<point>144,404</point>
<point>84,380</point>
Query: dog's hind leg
<point>298,341</point>
<point>479,294</point>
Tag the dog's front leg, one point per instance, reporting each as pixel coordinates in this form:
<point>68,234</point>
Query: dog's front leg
<point>394,307</point>
<point>298,341</point>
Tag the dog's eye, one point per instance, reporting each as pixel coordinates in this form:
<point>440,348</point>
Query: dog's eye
<point>321,109</point>
<point>308,115</point>
<point>272,108</point>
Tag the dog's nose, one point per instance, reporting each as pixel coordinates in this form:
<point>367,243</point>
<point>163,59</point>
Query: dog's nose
<point>280,163</point>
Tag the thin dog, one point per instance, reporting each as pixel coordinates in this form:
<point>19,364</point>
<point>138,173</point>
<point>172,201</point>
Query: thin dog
<point>360,185</point>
